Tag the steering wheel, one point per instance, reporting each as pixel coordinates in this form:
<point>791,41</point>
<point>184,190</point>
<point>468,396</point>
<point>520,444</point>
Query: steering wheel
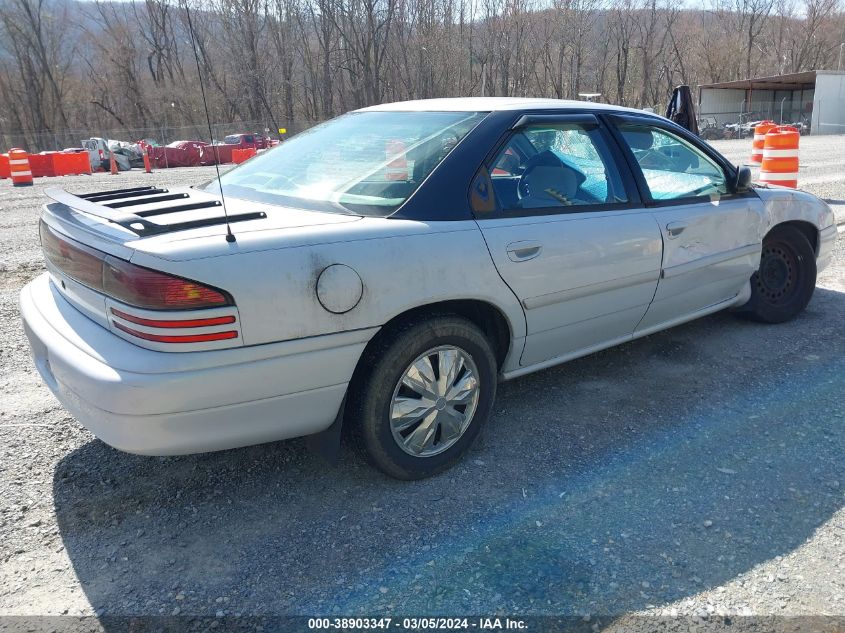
<point>522,186</point>
<point>547,159</point>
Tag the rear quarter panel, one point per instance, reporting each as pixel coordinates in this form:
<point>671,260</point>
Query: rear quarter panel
<point>403,264</point>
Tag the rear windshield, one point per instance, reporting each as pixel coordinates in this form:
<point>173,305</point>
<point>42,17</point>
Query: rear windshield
<point>365,163</point>
<point>232,139</point>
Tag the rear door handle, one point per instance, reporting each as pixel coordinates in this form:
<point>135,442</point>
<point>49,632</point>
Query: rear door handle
<point>523,251</point>
<point>674,229</point>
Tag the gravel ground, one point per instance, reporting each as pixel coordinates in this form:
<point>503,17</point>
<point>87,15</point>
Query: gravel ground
<point>697,471</point>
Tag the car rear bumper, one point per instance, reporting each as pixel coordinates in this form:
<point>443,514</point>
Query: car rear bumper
<point>160,403</point>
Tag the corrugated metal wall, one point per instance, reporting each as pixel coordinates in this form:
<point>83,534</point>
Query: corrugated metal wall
<point>728,105</point>
<point>725,105</point>
<point>829,103</point>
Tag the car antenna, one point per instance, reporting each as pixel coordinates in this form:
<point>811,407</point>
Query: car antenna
<point>230,237</point>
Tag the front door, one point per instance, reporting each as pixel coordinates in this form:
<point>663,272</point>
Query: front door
<point>569,238</point>
<point>711,238</point>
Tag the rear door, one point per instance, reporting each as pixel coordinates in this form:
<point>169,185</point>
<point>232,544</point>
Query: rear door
<point>568,234</point>
<point>712,237</point>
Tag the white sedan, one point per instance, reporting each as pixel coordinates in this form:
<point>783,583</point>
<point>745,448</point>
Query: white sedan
<point>384,270</point>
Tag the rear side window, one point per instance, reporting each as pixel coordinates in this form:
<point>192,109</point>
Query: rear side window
<point>555,166</point>
<point>673,168</point>
<point>365,163</point>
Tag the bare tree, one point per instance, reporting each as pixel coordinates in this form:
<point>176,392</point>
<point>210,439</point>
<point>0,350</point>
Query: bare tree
<point>34,36</point>
<point>76,67</point>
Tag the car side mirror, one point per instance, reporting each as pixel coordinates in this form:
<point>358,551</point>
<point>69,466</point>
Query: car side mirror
<point>743,179</point>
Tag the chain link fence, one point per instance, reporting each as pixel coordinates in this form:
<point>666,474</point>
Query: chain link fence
<point>740,123</point>
<point>40,141</point>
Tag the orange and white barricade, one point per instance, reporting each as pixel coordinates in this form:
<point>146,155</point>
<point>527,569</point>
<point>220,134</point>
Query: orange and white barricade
<point>397,169</point>
<point>19,167</point>
<point>780,157</point>
<point>760,131</point>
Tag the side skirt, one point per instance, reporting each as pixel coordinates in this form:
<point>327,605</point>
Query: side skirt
<point>741,298</point>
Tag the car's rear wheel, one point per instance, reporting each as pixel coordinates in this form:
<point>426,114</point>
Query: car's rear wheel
<point>426,390</point>
<point>786,279</point>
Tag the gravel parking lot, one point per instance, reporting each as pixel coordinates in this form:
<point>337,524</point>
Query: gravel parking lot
<point>698,471</point>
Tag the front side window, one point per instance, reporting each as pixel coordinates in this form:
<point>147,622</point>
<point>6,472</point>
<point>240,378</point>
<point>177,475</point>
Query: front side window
<point>672,167</point>
<point>365,163</point>
<point>555,166</point>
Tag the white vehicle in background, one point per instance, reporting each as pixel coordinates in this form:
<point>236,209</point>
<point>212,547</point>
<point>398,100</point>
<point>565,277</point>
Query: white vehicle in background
<point>98,152</point>
<point>384,271</point>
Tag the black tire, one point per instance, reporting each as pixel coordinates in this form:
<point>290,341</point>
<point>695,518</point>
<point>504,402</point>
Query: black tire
<point>784,284</point>
<point>372,391</point>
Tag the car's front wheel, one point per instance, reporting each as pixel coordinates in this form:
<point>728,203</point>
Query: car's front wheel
<point>426,390</point>
<point>786,279</point>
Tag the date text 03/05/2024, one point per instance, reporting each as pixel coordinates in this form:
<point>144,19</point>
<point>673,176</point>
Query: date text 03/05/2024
<point>418,624</point>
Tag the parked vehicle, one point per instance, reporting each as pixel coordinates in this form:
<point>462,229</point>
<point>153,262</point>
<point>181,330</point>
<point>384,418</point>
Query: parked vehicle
<point>244,141</point>
<point>98,152</point>
<point>387,268</point>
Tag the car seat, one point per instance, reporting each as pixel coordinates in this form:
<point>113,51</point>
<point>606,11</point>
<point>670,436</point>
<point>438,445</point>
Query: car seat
<point>548,182</point>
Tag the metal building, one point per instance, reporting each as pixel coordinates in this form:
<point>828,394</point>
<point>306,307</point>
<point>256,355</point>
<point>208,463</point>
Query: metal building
<point>813,100</point>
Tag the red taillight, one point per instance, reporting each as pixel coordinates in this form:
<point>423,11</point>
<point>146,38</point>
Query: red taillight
<point>175,323</point>
<point>128,283</point>
<point>153,290</point>
<point>81,263</point>
<point>177,338</point>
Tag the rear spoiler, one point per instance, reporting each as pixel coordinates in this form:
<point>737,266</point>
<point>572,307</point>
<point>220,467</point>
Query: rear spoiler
<point>108,205</point>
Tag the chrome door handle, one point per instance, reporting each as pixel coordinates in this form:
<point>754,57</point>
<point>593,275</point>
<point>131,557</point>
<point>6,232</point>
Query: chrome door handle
<point>674,229</point>
<point>523,251</point>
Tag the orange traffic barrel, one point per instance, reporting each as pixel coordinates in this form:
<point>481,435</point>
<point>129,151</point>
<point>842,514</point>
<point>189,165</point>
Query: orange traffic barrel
<point>760,131</point>
<point>397,169</point>
<point>19,167</point>
<point>780,157</point>
<point>4,165</point>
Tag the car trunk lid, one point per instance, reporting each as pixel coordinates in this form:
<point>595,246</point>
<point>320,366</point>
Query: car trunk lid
<point>122,222</point>
<point>116,221</point>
